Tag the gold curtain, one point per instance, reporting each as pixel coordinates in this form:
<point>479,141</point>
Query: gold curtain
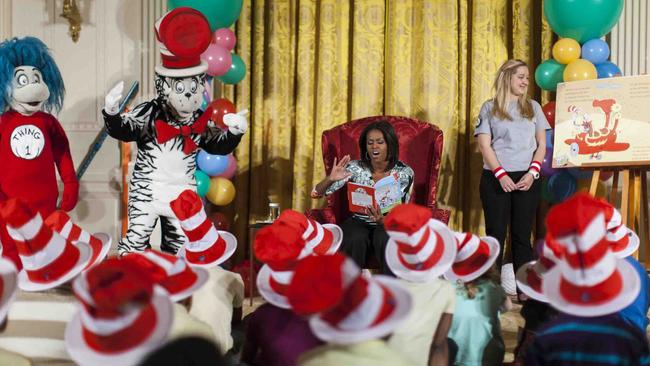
<point>314,64</point>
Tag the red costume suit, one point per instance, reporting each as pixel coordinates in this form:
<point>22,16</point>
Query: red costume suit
<point>30,148</point>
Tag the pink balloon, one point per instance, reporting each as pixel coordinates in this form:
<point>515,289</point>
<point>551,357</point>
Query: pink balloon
<point>225,37</point>
<point>218,58</point>
<point>231,169</point>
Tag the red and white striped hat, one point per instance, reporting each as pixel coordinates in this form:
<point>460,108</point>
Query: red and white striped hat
<point>170,272</point>
<point>319,239</point>
<point>623,241</point>
<point>344,306</point>
<point>475,256</point>
<point>279,246</point>
<point>100,243</point>
<point>48,258</point>
<point>8,285</point>
<point>588,279</point>
<point>122,317</point>
<point>530,275</point>
<point>206,246</point>
<point>419,248</point>
<point>183,34</point>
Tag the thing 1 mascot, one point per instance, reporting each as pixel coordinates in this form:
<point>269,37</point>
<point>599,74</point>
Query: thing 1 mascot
<point>33,144</point>
<point>168,130</point>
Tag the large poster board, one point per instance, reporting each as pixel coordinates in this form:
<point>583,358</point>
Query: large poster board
<point>603,122</point>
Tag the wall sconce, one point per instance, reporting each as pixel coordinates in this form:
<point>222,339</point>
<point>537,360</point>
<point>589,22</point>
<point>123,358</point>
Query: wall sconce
<point>71,13</point>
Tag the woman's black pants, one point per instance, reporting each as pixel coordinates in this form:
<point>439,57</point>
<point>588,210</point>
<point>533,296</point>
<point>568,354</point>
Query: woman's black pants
<point>517,209</point>
<point>361,239</point>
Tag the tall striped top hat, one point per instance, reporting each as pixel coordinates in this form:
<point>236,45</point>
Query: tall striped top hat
<point>170,272</point>
<point>345,307</point>
<point>100,243</point>
<point>49,259</point>
<point>588,279</point>
<point>8,285</point>
<point>122,317</point>
<point>623,241</point>
<point>206,246</point>
<point>475,256</point>
<point>529,276</point>
<point>419,248</point>
<point>282,244</point>
<point>183,34</point>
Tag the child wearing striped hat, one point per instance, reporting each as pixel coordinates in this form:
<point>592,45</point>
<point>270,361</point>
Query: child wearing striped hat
<point>419,250</point>
<point>480,299</point>
<point>589,285</point>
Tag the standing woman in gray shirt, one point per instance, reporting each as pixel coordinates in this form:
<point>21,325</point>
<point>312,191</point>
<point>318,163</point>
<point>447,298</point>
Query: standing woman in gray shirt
<point>511,136</point>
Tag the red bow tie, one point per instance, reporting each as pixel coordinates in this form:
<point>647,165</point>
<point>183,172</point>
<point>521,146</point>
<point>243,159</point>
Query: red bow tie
<point>166,132</point>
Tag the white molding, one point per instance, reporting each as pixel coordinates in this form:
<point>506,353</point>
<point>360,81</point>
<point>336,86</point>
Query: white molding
<point>630,41</point>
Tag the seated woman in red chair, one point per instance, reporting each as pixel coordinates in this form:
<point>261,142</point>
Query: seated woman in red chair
<point>363,233</point>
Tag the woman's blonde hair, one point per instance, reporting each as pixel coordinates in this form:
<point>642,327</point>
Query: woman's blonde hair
<point>502,87</point>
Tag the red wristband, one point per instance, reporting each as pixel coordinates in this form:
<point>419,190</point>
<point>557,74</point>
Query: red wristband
<point>499,172</point>
<point>536,166</point>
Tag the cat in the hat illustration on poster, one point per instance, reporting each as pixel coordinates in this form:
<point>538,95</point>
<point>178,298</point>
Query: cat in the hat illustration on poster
<point>169,130</point>
<point>592,141</point>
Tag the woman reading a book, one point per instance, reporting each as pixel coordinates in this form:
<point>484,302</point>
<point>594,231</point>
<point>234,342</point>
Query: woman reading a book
<point>376,183</point>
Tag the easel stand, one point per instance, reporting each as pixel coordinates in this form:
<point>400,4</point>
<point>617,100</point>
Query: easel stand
<point>634,202</point>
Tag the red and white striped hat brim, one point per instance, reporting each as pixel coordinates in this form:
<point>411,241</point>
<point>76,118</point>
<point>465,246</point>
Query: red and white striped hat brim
<point>182,280</point>
<point>100,243</point>
<point>529,276</point>
<point>474,257</point>
<point>8,286</point>
<point>382,308</point>
<point>272,285</point>
<point>589,280</point>
<point>122,340</point>
<point>623,241</point>
<point>322,239</point>
<point>423,255</point>
<point>48,259</point>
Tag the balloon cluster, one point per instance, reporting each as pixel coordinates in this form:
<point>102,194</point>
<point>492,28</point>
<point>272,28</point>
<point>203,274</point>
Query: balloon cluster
<point>226,66</point>
<point>579,55</point>
<point>214,173</point>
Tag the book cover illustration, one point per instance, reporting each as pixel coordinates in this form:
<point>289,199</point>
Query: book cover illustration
<point>385,193</point>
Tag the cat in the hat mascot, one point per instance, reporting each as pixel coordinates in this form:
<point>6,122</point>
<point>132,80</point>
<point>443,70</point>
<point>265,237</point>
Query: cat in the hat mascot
<point>33,145</point>
<point>168,130</point>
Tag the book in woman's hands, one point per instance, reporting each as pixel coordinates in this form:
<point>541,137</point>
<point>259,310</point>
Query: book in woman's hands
<point>385,193</point>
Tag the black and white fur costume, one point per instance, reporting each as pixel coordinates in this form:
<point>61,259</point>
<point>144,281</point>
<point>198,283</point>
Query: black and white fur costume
<point>162,171</point>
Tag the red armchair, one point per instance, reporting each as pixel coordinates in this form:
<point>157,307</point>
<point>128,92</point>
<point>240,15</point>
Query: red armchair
<point>420,147</point>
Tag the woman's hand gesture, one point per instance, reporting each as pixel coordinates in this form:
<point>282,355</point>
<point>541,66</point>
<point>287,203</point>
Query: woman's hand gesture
<point>338,170</point>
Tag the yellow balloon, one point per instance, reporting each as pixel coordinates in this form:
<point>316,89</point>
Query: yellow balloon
<point>566,50</point>
<point>583,185</point>
<point>580,70</point>
<point>221,191</point>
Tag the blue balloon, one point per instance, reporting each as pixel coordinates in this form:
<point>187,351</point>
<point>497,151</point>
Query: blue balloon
<point>211,164</point>
<point>578,173</point>
<point>608,69</point>
<point>596,51</point>
<point>561,186</point>
<point>549,139</point>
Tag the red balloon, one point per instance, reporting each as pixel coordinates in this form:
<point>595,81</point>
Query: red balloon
<point>220,221</point>
<point>219,108</point>
<point>549,112</point>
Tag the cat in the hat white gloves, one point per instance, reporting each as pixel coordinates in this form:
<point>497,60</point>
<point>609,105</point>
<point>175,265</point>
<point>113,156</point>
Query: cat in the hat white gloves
<point>169,130</point>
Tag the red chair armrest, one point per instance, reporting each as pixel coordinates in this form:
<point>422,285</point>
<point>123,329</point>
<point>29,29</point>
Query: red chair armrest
<point>322,215</point>
<point>441,215</point>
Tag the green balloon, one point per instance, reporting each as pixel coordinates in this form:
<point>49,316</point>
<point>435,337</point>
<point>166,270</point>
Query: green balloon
<point>548,74</point>
<point>236,73</point>
<point>202,183</point>
<point>219,13</point>
<point>582,20</point>
<point>546,194</point>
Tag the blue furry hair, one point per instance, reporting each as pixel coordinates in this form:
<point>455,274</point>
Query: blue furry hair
<point>29,51</point>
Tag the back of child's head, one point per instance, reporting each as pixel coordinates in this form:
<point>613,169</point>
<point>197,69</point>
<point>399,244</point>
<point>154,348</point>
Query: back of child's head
<point>491,275</point>
<point>187,351</point>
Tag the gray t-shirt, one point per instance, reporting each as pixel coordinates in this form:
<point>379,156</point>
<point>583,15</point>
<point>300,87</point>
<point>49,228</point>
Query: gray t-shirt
<point>513,141</point>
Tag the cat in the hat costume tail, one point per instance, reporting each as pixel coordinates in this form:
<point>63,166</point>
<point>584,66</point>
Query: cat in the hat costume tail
<point>168,130</point>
